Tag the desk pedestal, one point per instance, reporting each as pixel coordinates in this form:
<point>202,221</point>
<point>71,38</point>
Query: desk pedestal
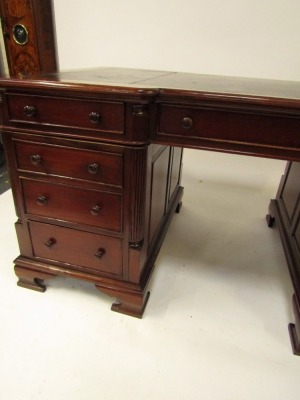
<point>285,210</point>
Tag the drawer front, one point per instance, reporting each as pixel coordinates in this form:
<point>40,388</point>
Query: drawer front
<point>96,166</point>
<point>84,206</point>
<point>74,113</point>
<point>217,126</point>
<point>83,249</point>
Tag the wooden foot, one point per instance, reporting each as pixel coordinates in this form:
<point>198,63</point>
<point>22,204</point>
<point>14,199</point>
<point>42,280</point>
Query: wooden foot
<point>178,208</point>
<point>270,220</point>
<point>129,303</point>
<point>31,279</point>
<point>295,342</point>
<point>294,329</point>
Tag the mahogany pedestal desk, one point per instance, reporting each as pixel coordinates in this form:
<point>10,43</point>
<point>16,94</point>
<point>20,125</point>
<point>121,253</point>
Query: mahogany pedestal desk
<point>95,164</point>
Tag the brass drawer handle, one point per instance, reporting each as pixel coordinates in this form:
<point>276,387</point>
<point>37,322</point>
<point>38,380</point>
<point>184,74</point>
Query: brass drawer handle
<point>29,111</point>
<point>187,123</point>
<point>100,253</point>
<point>95,210</point>
<point>94,117</point>
<point>42,200</point>
<point>36,159</point>
<point>50,243</point>
<point>93,168</point>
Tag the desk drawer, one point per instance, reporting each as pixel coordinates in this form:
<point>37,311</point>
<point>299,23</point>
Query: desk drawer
<point>64,112</point>
<point>82,249</point>
<point>96,166</point>
<point>196,125</point>
<point>84,206</point>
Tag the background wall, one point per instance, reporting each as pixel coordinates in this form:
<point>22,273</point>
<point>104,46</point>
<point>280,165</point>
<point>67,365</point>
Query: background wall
<point>254,38</point>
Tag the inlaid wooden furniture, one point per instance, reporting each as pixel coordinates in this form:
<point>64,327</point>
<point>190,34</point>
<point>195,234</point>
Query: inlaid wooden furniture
<point>29,36</point>
<point>96,177</point>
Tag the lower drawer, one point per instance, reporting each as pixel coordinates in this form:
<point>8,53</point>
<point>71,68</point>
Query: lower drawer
<point>68,203</point>
<point>82,249</point>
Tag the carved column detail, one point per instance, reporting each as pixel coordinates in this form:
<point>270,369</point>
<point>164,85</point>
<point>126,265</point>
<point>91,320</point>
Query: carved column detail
<point>138,122</point>
<point>137,197</point>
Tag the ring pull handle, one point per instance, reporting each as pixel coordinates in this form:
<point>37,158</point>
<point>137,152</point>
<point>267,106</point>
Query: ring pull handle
<point>94,117</point>
<point>187,123</point>
<point>42,200</point>
<point>100,253</point>
<point>29,111</point>
<point>50,243</point>
<point>93,168</point>
<point>36,159</point>
<point>95,210</point>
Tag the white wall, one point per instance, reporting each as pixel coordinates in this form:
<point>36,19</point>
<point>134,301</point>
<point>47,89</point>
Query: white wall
<point>256,38</point>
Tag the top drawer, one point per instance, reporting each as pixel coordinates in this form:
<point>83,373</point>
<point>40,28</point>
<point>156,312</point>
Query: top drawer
<point>215,128</point>
<point>64,112</point>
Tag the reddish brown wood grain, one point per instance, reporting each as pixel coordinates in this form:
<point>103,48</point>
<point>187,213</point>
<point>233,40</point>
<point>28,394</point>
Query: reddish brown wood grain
<point>84,142</point>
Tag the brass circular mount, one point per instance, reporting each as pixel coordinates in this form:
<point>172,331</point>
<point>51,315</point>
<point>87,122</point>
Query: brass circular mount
<point>20,34</point>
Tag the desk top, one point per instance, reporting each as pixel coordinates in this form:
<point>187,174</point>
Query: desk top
<point>123,80</point>
<point>238,115</point>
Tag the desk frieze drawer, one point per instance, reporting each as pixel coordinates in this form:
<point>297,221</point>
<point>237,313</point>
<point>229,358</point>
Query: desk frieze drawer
<point>63,202</point>
<point>96,166</point>
<point>86,250</point>
<point>64,112</point>
<point>262,128</point>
